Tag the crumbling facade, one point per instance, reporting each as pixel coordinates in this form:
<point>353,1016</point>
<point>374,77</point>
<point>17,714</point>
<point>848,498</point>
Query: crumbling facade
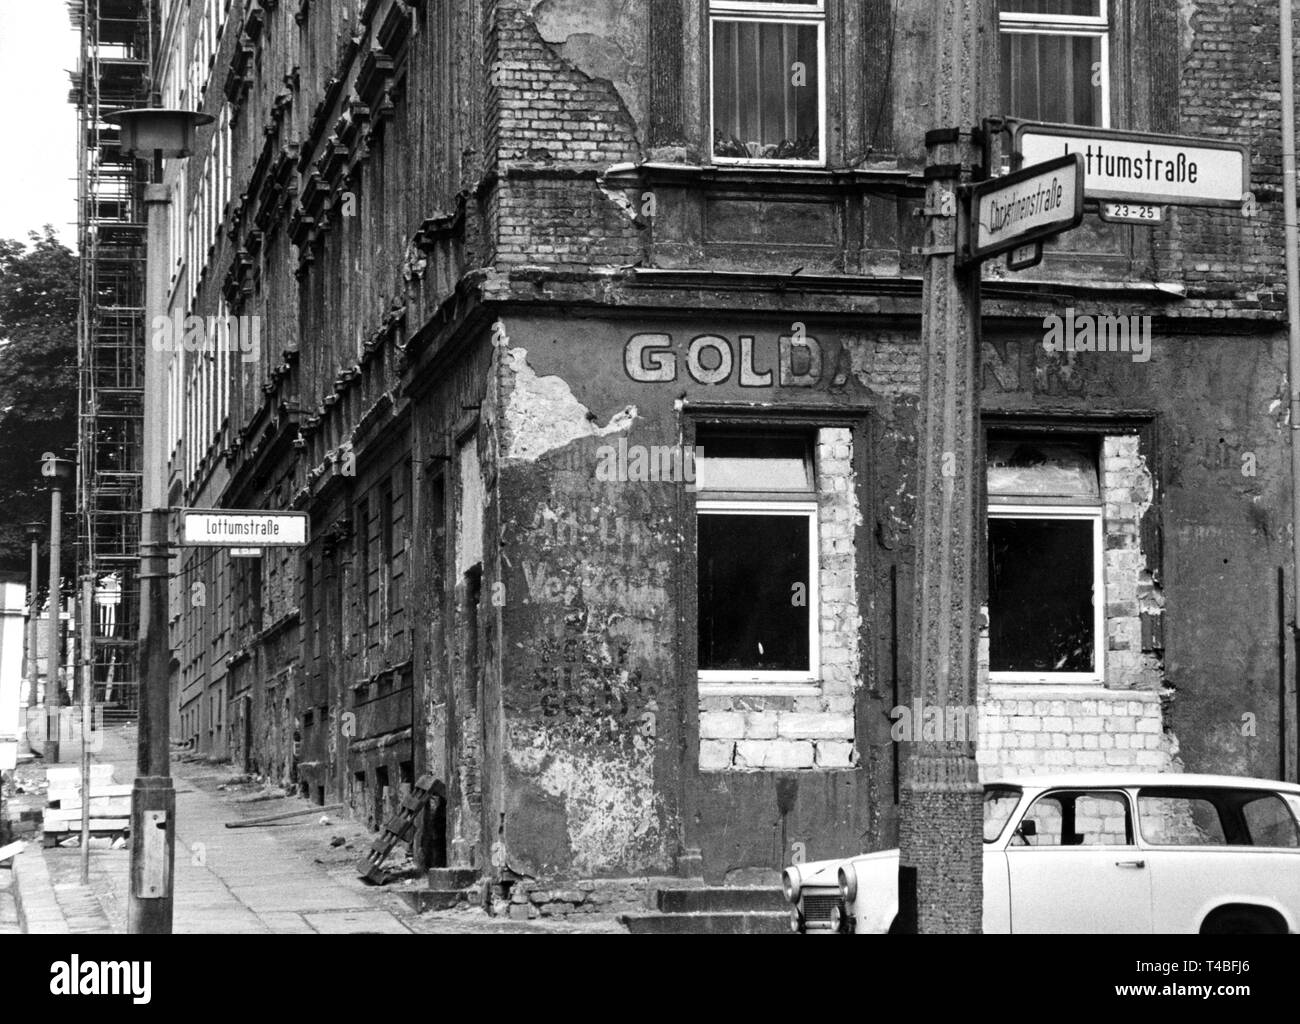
<point>513,263</point>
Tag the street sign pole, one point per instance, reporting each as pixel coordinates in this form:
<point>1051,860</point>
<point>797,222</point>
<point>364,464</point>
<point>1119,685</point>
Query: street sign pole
<point>941,807</point>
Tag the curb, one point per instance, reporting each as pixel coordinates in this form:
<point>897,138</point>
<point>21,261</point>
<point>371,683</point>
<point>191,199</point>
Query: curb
<point>38,908</point>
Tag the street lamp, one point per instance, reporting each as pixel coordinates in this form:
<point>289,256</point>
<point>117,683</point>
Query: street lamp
<point>59,472</point>
<point>154,134</point>
<point>33,533</point>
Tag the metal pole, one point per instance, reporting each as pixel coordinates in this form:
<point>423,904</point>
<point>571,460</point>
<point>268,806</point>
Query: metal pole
<point>33,632</point>
<point>1293,328</point>
<point>53,692</point>
<point>941,806</point>
<point>87,692</point>
<point>153,798</point>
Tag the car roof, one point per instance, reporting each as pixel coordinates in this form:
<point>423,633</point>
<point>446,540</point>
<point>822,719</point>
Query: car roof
<point>1127,780</point>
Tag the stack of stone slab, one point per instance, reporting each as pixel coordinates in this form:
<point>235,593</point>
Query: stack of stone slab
<point>110,805</point>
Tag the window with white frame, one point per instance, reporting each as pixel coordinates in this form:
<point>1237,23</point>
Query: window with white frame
<point>1046,590</point>
<point>1056,60</point>
<point>757,558</point>
<point>768,81</point>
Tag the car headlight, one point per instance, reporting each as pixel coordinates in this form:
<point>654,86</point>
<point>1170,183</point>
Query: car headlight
<point>796,920</point>
<point>837,919</point>
<point>848,884</point>
<point>790,885</point>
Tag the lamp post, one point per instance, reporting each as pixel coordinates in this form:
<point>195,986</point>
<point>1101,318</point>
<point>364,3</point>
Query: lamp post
<point>154,134</point>
<point>59,472</point>
<point>33,531</point>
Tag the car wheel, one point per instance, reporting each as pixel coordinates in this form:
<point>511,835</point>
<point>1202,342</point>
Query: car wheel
<point>1241,922</point>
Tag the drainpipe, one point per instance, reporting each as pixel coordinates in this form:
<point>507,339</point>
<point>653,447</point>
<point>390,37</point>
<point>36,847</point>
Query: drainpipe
<point>1293,327</point>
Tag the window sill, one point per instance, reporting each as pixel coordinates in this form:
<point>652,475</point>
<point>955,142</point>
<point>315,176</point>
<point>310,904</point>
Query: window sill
<point>1004,690</point>
<point>758,688</point>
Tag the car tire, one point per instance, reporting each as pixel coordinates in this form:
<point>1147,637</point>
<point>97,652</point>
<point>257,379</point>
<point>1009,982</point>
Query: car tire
<point>1241,922</point>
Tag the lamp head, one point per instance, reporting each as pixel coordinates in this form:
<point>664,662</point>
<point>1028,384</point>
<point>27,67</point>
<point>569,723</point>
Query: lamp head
<point>149,132</point>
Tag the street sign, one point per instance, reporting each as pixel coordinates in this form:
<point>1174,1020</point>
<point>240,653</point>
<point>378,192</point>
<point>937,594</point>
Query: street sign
<point>1026,206</point>
<point>1140,167</point>
<point>245,552</point>
<point>1025,256</point>
<point>221,528</point>
<point>1132,213</point>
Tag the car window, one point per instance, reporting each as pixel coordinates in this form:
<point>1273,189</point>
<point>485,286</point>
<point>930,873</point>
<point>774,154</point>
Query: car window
<point>1077,819</point>
<point>999,802</point>
<point>1269,822</point>
<point>1178,820</point>
<point>1216,817</point>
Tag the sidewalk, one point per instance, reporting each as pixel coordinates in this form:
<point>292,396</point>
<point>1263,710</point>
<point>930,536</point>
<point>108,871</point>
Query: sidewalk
<point>295,877</point>
<point>231,881</point>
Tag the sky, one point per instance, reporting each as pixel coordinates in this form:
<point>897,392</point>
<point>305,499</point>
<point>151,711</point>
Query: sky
<point>38,47</point>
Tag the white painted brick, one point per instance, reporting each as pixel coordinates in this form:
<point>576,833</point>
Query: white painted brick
<point>761,725</point>
<point>826,726</point>
<point>782,755</point>
<point>1149,725</point>
<point>716,725</point>
<point>832,754</point>
<point>715,755</point>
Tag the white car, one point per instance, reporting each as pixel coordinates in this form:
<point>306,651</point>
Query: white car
<point>1105,853</point>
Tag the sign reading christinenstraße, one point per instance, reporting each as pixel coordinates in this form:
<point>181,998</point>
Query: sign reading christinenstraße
<point>1168,170</point>
<point>1016,209</point>
<point>221,528</point>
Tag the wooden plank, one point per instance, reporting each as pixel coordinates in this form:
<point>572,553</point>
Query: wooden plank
<point>96,825</point>
<point>100,806</point>
<point>268,819</point>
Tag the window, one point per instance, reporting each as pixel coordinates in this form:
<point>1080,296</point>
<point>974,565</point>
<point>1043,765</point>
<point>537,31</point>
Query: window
<point>1056,60</point>
<point>363,567</point>
<point>757,559</point>
<point>1045,586</point>
<point>386,548</point>
<point>767,81</point>
<point>1216,817</point>
<point>1076,819</point>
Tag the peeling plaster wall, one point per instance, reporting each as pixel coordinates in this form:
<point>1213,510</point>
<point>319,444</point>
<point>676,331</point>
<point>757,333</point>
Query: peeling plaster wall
<point>602,39</point>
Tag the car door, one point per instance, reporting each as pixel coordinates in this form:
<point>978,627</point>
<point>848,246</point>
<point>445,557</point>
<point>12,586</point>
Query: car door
<point>1073,866</point>
<point>1215,846</point>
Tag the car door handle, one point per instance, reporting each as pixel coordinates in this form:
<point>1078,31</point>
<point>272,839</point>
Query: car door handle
<point>1130,863</point>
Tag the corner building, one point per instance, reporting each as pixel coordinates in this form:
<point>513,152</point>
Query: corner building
<point>510,262</point>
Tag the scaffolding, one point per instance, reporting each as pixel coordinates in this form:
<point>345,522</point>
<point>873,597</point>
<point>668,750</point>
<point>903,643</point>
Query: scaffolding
<point>113,74</point>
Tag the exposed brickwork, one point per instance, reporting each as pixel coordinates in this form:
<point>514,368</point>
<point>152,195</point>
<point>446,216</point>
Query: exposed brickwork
<point>813,731</point>
<point>1130,592</point>
<point>1069,728</point>
<point>528,900</point>
<point>1063,730</point>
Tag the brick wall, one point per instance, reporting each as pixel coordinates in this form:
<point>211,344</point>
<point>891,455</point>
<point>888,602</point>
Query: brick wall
<point>805,731</point>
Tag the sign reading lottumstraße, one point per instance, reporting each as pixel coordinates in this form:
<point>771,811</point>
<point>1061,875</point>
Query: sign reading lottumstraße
<point>220,528</point>
<point>1040,201</point>
<point>1168,170</point>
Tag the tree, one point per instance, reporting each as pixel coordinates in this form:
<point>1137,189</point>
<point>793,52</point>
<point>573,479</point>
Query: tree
<point>38,389</point>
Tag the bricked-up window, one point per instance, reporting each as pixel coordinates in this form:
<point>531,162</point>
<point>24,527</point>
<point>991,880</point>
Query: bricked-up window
<point>1045,586</point>
<point>767,81</point>
<point>1056,60</point>
<point>757,559</point>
